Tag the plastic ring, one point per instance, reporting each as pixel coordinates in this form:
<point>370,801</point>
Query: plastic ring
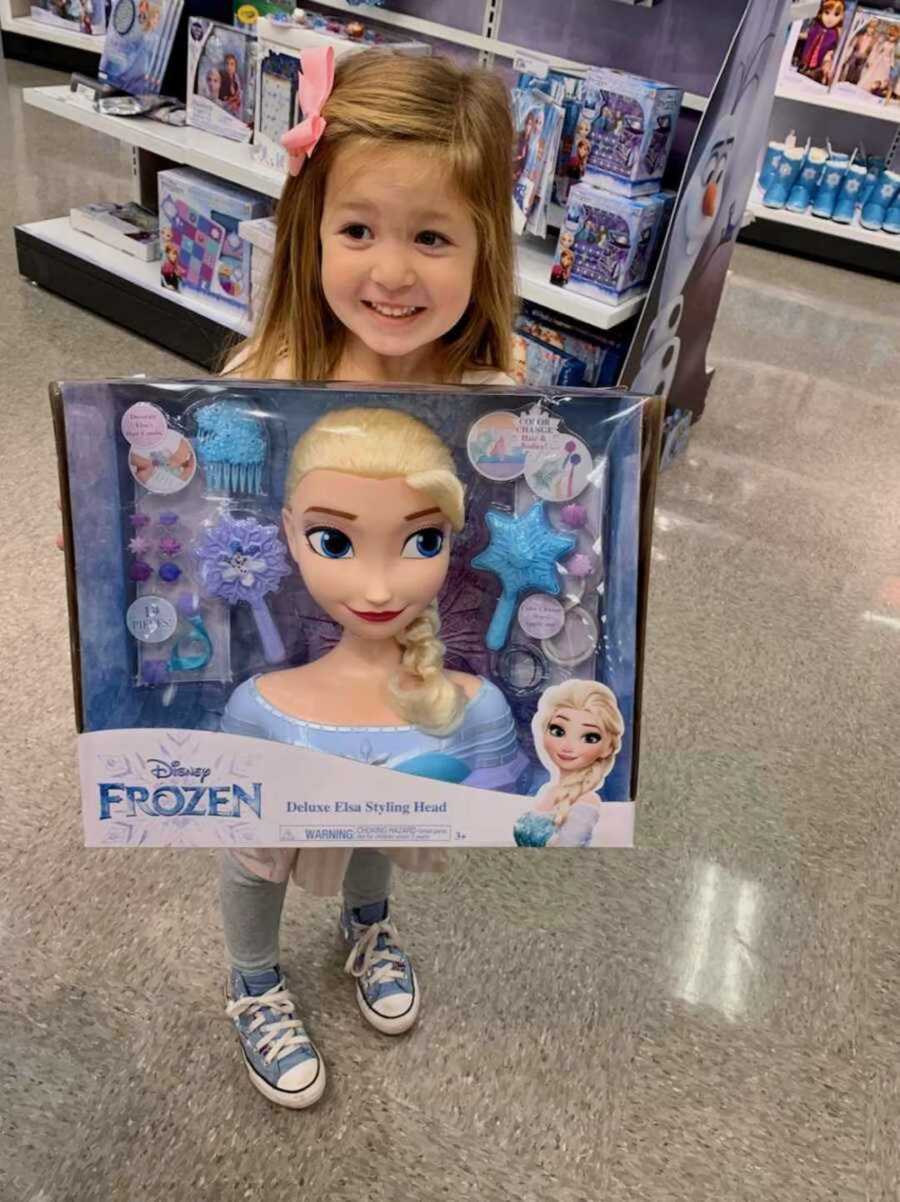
<point>506,670</point>
<point>569,659</point>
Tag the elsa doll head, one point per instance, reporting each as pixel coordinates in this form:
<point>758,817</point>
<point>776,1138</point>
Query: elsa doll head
<point>577,733</point>
<point>371,500</point>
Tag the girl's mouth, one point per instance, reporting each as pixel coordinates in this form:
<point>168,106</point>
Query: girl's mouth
<point>377,615</point>
<point>394,313</point>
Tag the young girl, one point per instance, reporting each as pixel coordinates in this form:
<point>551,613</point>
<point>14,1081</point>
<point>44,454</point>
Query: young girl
<point>393,263</point>
<point>577,734</point>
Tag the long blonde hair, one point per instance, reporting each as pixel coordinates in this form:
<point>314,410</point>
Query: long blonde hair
<point>597,700</point>
<point>384,101</point>
<point>383,444</point>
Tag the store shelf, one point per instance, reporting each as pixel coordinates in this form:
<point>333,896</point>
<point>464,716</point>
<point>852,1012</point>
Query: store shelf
<point>208,152</point>
<point>45,32</point>
<point>806,92</point>
<point>535,260</point>
<point>829,229</point>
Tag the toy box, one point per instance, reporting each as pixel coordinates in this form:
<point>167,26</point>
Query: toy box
<point>601,354</point>
<point>261,236</point>
<point>221,83</point>
<point>625,131</point>
<point>814,46</point>
<point>301,30</point>
<point>869,66</point>
<point>246,15</point>
<point>607,242</point>
<point>130,227</point>
<point>202,250</point>
<point>540,364</point>
<point>138,44</point>
<point>206,553</point>
<point>86,16</point>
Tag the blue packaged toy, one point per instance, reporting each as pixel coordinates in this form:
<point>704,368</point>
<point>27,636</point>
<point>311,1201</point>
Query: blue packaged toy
<point>138,44</point>
<point>86,16</point>
<point>223,536</point>
<point>608,243</point>
<point>221,83</point>
<point>202,250</point>
<point>628,125</point>
<point>541,365</point>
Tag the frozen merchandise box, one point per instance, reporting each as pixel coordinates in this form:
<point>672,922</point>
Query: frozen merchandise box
<point>625,131</point>
<point>87,16</point>
<point>868,70</point>
<point>202,249</point>
<point>221,83</point>
<point>607,244</point>
<point>138,44</point>
<point>337,615</point>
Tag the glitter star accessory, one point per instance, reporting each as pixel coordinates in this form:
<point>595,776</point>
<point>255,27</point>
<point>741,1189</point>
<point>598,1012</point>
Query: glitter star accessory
<point>523,554</point>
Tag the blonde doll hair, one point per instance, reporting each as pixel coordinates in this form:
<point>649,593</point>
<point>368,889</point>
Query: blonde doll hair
<point>384,101</point>
<point>383,444</point>
<point>599,701</point>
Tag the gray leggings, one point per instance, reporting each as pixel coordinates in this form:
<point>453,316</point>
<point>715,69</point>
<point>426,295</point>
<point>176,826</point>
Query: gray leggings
<point>251,905</point>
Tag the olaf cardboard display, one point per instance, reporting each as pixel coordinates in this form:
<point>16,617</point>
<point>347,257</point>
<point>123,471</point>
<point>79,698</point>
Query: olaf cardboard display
<point>340,616</point>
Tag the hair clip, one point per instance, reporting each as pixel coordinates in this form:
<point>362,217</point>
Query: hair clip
<point>242,560</point>
<point>579,565</point>
<point>139,545</point>
<point>231,447</point>
<point>138,520</point>
<point>169,572</point>
<point>523,554</point>
<point>574,516</point>
<point>169,546</point>
<point>168,518</point>
<point>140,571</point>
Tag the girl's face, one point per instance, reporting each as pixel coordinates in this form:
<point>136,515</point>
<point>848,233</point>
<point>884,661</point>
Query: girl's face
<point>373,553</point>
<point>575,739</point>
<point>398,250</point>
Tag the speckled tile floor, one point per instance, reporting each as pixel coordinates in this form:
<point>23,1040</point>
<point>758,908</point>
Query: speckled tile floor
<point>715,1016</point>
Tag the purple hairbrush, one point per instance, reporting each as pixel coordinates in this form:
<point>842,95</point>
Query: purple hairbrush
<point>242,560</point>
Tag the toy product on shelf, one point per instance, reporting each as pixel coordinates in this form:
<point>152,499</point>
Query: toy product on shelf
<point>234,528</point>
<point>538,122</point>
<point>247,15</point>
<point>625,131</point>
<point>608,243</point>
<point>202,250</point>
<point>130,227</point>
<point>221,84</point>
<point>261,236</point>
<point>302,30</point>
<point>814,46</point>
<point>601,354</point>
<point>87,16</point>
<point>138,44</point>
<point>540,364</point>
<point>869,66</point>
<point>277,103</point>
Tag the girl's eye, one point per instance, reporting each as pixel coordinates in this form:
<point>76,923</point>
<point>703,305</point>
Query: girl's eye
<point>330,543</point>
<point>424,544</point>
<point>590,737</point>
<point>557,731</point>
<point>432,239</point>
<point>357,231</point>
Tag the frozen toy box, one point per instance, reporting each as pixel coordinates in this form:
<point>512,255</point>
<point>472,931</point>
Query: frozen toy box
<point>257,576</point>
<point>625,131</point>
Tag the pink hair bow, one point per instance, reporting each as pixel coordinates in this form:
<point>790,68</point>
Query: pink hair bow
<point>316,82</point>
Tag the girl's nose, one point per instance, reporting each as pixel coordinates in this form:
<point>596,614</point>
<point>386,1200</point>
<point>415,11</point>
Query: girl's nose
<point>392,271</point>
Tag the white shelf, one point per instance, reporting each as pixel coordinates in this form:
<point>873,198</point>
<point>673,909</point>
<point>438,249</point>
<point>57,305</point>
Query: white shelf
<point>833,229</point>
<point>233,161</point>
<point>806,92</point>
<point>181,144</point>
<point>59,233</point>
<point>29,28</point>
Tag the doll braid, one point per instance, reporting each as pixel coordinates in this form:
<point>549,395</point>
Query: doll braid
<point>436,705</point>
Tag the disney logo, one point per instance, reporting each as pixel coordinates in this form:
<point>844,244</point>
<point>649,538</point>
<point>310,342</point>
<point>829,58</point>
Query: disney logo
<point>167,769</point>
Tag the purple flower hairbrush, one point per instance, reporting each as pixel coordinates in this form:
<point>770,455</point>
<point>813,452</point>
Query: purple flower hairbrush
<point>242,560</point>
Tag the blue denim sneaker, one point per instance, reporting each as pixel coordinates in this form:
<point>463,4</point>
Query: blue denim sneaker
<point>386,988</point>
<point>280,1057</point>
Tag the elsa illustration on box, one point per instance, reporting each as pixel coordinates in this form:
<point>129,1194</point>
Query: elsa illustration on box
<point>577,733</point>
<point>371,503</point>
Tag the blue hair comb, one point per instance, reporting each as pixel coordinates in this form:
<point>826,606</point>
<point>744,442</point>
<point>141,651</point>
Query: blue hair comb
<point>231,447</point>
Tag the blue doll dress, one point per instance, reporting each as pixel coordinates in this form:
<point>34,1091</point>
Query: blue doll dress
<point>482,752</point>
<point>537,828</point>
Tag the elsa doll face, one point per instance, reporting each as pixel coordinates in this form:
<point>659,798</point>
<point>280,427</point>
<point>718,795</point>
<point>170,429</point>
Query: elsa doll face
<point>574,739</point>
<point>373,553</point>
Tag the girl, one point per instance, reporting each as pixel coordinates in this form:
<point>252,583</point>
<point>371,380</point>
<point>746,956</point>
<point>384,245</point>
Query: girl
<point>577,734</point>
<point>393,263</point>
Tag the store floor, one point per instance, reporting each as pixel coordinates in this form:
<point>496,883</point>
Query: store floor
<point>715,1016</point>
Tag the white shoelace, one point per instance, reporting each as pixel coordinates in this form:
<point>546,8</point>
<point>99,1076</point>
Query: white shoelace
<point>278,1037</point>
<point>366,951</point>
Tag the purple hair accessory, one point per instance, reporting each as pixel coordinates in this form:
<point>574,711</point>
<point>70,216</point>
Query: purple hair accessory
<point>578,565</point>
<point>168,518</point>
<point>140,571</point>
<point>169,572</point>
<point>169,545</point>
<point>138,520</point>
<point>188,604</point>
<point>242,560</point>
<point>574,516</point>
<point>154,671</point>
<point>139,545</point>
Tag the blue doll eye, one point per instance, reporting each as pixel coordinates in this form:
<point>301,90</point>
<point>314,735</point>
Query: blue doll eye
<point>330,543</point>
<point>424,544</point>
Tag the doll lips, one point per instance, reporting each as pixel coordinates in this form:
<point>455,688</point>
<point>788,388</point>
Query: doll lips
<point>377,615</point>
